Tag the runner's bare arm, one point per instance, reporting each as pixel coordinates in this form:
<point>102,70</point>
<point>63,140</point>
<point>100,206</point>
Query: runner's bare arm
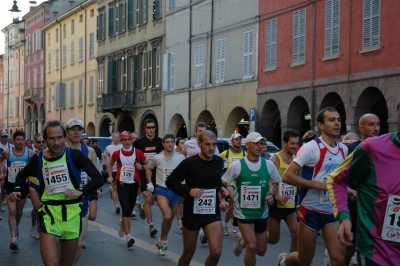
<point>291,177</point>
<point>275,160</point>
<point>93,157</point>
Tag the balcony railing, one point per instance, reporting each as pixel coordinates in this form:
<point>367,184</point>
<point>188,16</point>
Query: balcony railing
<point>124,100</point>
<point>32,95</point>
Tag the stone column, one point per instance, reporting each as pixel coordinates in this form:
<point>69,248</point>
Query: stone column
<point>28,129</point>
<point>33,127</point>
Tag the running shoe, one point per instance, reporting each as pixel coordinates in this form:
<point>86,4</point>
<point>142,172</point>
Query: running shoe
<point>152,230</point>
<point>162,247</point>
<point>14,244</point>
<point>117,210</point>
<point>237,246</point>
<point>130,242</point>
<point>280,258</point>
<point>225,229</point>
<point>133,215</point>
<point>1,207</point>
<point>121,229</point>
<point>202,237</point>
<point>353,260</point>
<point>180,224</point>
<point>34,233</point>
<point>230,226</point>
<point>141,212</point>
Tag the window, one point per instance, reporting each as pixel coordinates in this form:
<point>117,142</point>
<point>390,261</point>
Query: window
<point>49,100</point>
<point>64,56</point>
<point>158,67</point>
<point>29,80</point>
<point>35,78</point>
<point>156,9</point>
<point>101,26</point>
<point>48,40</point>
<point>91,84</point>
<point>111,31</point>
<point>71,101</point>
<point>65,31</point>
<point>198,65</point>
<point>270,44</point>
<point>371,24</point>
<point>80,49</point>
<point>116,23</point>
<point>57,35</point>
<point>122,17</point>
<point>172,71</point>
<point>60,96</point>
<point>80,18</point>
<point>141,12</point>
<point>72,52</point>
<point>91,49</point>
<point>41,76</point>
<point>72,27</point>
<point>131,13</point>
<point>171,5</point>
<point>221,50</point>
<point>299,36</point>
<point>49,63</point>
<point>123,74</point>
<point>332,19</point>
<point>112,77</point>
<point>134,73</point>
<point>80,99</point>
<point>92,13</point>
<point>150,68</point>
<point>100,79</point>
<point>143,58</point>
<point>11,108</point>
<point>248,54</point>
<point>16,107</point>
<point>57,59</point>
<point>21,106</point>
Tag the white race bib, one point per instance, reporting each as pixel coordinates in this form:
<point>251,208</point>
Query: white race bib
<point>391,225</point>
<point>149,155</point>
<point>14,169</point>
<point>84,178</point>
<point>324,196</point>
<point>250,197</point>
<point>167,172</point>
<point>287,190</point>
<point>56,178</point>
<point>206,203</point>
<point>127,174</point>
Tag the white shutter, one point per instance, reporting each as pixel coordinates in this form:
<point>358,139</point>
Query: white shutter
<point>165,72</point>
<point>72,52</point>
<point>371,24</point>
<point>80,49</point>
<point>172,71</point>
<point>270,50</point>
<point>221,50</point>
<point>332,17</point>
<point>198,65</point>
<point>248,54</point>
<point>299,33</point>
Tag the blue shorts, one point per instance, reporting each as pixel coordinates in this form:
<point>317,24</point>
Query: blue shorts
<point>314,220</point>
<point>171,196</point>
<point>85,205</point>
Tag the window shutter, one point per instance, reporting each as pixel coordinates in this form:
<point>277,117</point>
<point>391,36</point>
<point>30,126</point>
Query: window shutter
<point>328,28</point>
<point>270,54</point>
<point>71,104</point>
<point>166,76</point>
<point>64,55</point>
<point>172,71</point>
<point>91,52</point>
<point>111,22</point>
<point>41,76</point>
<point>138,16</point>
<point>110,77</point>
<point>72,52</point>
<point>80,93</point>
<point>221,47</point>
<point>62,95</point>
<point>248,54</point>
<point>131,12</point>
<point>97,27</point>
<point>144,11</point>
<point>103,34</point>
<point>158,66</point>
<point>16,107</point>
<point>299,28</point>
<point>57,96</point>
<point>332,20</point>
<point>156,9</point>
<point>80,49</point>
<point>117,14</point>
<point>123,22</point>
<point>48,63</point>
<point>91,83</point>
<point>57,59</point>
<point>144,73</point>
<point>114,75</point>
<point>371,24</point>
<point>49,100</point>
<point>198,65</point>
<point>150,69</point>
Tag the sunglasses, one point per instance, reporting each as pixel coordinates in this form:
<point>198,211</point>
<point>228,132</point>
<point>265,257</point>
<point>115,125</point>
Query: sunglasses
<point>40,141</point>
<point>153,127</point>
<point>126,139</point>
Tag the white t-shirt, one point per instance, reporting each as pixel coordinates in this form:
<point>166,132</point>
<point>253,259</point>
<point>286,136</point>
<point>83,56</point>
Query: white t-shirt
<point>234,170</point>
<point>164,166</point>
<point>192,148</point>
<point>109,150</point>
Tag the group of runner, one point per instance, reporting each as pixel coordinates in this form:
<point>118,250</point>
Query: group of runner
<point>306,187</point>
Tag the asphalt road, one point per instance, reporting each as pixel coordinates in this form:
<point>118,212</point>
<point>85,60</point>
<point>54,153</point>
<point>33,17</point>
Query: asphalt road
<point>104,247</point>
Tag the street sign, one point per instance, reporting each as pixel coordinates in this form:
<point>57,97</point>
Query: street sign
<point>252,119</point>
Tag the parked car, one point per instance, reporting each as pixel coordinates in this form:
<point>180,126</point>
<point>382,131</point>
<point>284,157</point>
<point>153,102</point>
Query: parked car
<point>222,145</point>
<point>272,148</point>
<point>102,141</point>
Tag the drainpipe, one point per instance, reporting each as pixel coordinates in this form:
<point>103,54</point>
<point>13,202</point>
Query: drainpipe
<point>349,52</point>
<point>60,61</point>
<point>8,74</point>
<point>190,70</point>
<point>85,58</point>
<point>313,67</point>
<point>211,40</point>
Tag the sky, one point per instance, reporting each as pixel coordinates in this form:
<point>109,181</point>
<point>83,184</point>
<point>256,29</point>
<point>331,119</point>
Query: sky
<point>6,16</point>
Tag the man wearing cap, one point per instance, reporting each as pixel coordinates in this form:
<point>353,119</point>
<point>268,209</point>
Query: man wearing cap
<point>75,129</point>
<point>129,162</point>
<point>234,153</point>
<point>17,158</point>
<point>252,175</point>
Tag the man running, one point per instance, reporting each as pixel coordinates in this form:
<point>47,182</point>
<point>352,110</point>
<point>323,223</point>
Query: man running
<point>34,187</point>
<point>234,153</point>
<point>373,165</point>
<point>60,194</point>
<point>150,145</point>
<point>165,162</point>
<point>17,158</point>
<point>202,205</point>
<point>129,162</point>
<point>285,206</point>
<point>315,160</point>
<point>252,175</point>
<point>109,150</point>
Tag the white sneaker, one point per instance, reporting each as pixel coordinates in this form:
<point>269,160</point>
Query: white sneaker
<point>34,233</point>
<point>280,257</point>
<point>121,229</point>
<point>353,260</point>
<point>230,226</point>
<point>225,229</point>
<point>237,247</point>
<point>162,247</point>
<point>202,237</point>
<point>180,224</point>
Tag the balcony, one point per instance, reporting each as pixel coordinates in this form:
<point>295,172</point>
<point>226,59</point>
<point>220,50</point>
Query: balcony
<point>118,101</point>
<point>32,95</point>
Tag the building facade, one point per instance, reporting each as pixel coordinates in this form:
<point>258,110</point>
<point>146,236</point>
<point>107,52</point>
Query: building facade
<point>315,54</point>
<point>210,65</point>
<point>130,39</point>
<point>1,90</point>
<point>71,68</point>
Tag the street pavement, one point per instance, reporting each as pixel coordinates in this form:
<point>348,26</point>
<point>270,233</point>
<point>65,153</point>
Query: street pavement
<point>104,247</point>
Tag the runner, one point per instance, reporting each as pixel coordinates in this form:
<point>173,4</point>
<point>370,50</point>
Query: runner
<point>150,145</point>
<point>373,165</point>
<point>285,206</point>
<point>165,162</point>
<point>59,214</point>
<point>252,175</point>
<point>17,158</point>
<point>109,150</point>
<point>234,153</point>
<point>316,159</point>
<point>129,161</point>
<point>202,207</point>
<point>34,187</point>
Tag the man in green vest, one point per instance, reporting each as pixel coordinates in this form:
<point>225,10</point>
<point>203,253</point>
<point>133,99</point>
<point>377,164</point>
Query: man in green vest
<point>252,175</point>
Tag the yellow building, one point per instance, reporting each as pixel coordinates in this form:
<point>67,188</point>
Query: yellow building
<point>71,67</point>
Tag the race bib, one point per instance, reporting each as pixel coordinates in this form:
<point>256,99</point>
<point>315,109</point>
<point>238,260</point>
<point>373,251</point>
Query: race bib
<point>84,178</point>
<point>287,190</point>
<point>14,169</point>
<point>250,197</point>
<point>324,196</point>
<point>167,172</point>
<point>206,203</point>
<point>391,225</point>
<point>127,174</point>
<point>56,178</point>
<point>149,155</point>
